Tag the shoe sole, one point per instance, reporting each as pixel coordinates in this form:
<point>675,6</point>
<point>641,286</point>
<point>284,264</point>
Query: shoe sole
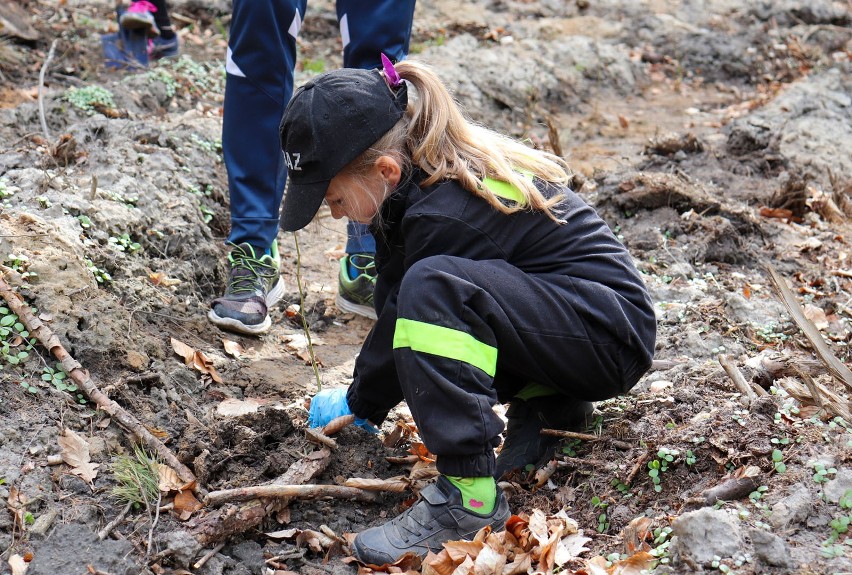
<point>231,324</point>
<point>345,305</point>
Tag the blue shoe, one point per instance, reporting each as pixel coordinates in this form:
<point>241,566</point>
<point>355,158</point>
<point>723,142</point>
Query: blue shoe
<point>163,48</point>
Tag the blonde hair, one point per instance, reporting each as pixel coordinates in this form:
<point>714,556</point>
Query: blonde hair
<point>437,138</point>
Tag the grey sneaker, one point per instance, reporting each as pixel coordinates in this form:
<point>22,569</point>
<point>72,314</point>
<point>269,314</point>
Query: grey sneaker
<point>436,518</point>
<point>524,443</point>
<point>355,295</point>
<point>254,285</point>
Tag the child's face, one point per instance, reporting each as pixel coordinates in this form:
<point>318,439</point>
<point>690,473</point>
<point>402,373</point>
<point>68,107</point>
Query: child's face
<point>358,197</point>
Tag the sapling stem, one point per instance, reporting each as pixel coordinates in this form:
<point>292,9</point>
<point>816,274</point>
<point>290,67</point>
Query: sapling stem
<point>302,312</point>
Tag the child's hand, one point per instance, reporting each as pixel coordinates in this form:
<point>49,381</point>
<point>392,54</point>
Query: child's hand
<point>330,404</point>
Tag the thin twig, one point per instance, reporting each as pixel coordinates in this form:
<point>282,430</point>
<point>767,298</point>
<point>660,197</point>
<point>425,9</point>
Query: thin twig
<point>302,312</point>
<point>41,85</point>
<point>103,533</point>
<point>207,556</point>
<point>586,437</point>
<point>737,378</point>
<point>317,436</point>
<point>154,523</point>
<point>636,468</point>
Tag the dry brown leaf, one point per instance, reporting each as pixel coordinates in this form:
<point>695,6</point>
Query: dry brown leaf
<point>168,478</point>
<point>488,561</point>
<point>596,566</point>
<point>635,533</point>
<point>816,315</point>
<point>458,550</point>
<point>570,547</point>
<point>183,350</point>
<point>233,348</point>
<point>186,504</point>
<point>75,452</point>
<point>283,534</point>
<point>438,564</point>
<point>633,565</point>
<point>335,253</point>
<point>521,564</point>
<point>16,503</point>
<point>18,565</point>
<point>205,365</point>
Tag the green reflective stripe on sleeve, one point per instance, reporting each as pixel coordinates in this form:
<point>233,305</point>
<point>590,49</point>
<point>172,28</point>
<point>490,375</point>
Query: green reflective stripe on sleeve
<point>506,190</point>
<point>445,342</point>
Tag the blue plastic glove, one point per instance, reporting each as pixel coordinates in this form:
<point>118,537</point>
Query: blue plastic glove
<point>330,404</point>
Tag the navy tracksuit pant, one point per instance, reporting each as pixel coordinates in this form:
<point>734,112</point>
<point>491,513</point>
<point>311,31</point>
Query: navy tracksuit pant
<point>536,323</point>
<point>260,61</point>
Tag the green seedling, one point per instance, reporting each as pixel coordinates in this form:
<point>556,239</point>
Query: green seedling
<point>101,275</point>
<point>661,543</point>
<point>137,478</point>
<point>660,465</point>
<point>690,457</point>
<point>777,462</point>
<point>622,488</point>
<point>207,213</point>
<point>603,521</point>
<point>569,448</point>
<point>85,222</point>
<point>90,99</point>
<point>123,243</point>
<point>757,494</point>
<point>821,474</point>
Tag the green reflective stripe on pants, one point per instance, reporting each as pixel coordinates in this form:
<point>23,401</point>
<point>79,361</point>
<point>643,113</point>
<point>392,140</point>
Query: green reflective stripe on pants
<point>445,342</point>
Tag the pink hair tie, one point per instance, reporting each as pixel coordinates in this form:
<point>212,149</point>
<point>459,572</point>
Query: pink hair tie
<point>391,75</point>
<point>142,6</point>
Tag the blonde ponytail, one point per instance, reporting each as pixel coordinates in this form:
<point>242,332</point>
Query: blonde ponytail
<point>435,137</point>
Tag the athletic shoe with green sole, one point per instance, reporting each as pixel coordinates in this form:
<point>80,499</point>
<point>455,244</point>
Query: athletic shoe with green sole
<point>254,286</point>
<point>356,295</point>
<point>439,516</point>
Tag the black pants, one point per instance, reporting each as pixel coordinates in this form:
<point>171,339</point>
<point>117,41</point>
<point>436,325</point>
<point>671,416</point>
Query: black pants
<point>546,329</point>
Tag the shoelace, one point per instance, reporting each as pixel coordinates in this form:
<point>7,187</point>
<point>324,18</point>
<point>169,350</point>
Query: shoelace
<point>409,524</point>
<point>142,6</point>
<point>256,268</point>
<point>367,269</point>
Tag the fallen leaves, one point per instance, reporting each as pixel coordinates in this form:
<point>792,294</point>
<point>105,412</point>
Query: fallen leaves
<point>537,542</point>
<point>196,359</point>
<point>18,565</point>
<point>75,452</point>
<point>298,343</point>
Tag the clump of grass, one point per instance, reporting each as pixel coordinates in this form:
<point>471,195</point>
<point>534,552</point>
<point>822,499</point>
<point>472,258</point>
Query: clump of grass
<point>137,478</point>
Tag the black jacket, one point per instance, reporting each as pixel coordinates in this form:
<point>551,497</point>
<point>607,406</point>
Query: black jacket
<point>445,219</point>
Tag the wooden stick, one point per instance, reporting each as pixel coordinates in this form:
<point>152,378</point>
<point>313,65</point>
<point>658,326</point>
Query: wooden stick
<point>737,378</point>
<point>309,491</point>
<point>837,368</point>
<point>636,468</point>
<point>814,389</point>
<point>207,556</point>
<point>103,533</point>
<point>586,437</point>
<point>317,436</point>
<point>81,377</point>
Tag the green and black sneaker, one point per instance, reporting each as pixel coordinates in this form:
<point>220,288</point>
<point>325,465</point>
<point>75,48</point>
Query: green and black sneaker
<point>355,295</point>
<point>254,286</point>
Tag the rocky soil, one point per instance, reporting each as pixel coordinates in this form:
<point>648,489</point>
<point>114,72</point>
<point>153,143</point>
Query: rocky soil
<point>713,137</point>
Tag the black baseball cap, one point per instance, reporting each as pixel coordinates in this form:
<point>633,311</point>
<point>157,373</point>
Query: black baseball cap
<point>330,121</point>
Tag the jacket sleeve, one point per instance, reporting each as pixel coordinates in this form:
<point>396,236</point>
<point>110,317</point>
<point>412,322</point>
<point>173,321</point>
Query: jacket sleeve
<point>375,388</point>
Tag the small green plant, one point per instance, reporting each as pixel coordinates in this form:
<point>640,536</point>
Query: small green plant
<point>603,521</point>
<point>214,147</point>
<point>569,448</point>
<point>757,494</point>
<point>123,243</point>
<point>12,335</point>
<point>5,192</point>
<point>621,487</point>
<point>29,387</point>
<point>660,465</point>
<point>43,202</point>
<point>207,213</point>
<point>20,263</point>
<point>101,275</point>
<point>780,440</point>
<point>137,478</point>
<point>90,99</point>
<point>777,462</point>
<point>661,543</point>
<point>821,474</point>
<point>690,457</point>
<point>85,222</point>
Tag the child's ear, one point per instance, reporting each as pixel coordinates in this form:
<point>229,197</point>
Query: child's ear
<point>389,170</point>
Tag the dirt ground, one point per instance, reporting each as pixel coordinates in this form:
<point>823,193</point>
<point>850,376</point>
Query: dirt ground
<point>712,136</point>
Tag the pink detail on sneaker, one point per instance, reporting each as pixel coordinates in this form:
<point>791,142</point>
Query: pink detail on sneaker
<point>141,6</point>
<point>474,503</point>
